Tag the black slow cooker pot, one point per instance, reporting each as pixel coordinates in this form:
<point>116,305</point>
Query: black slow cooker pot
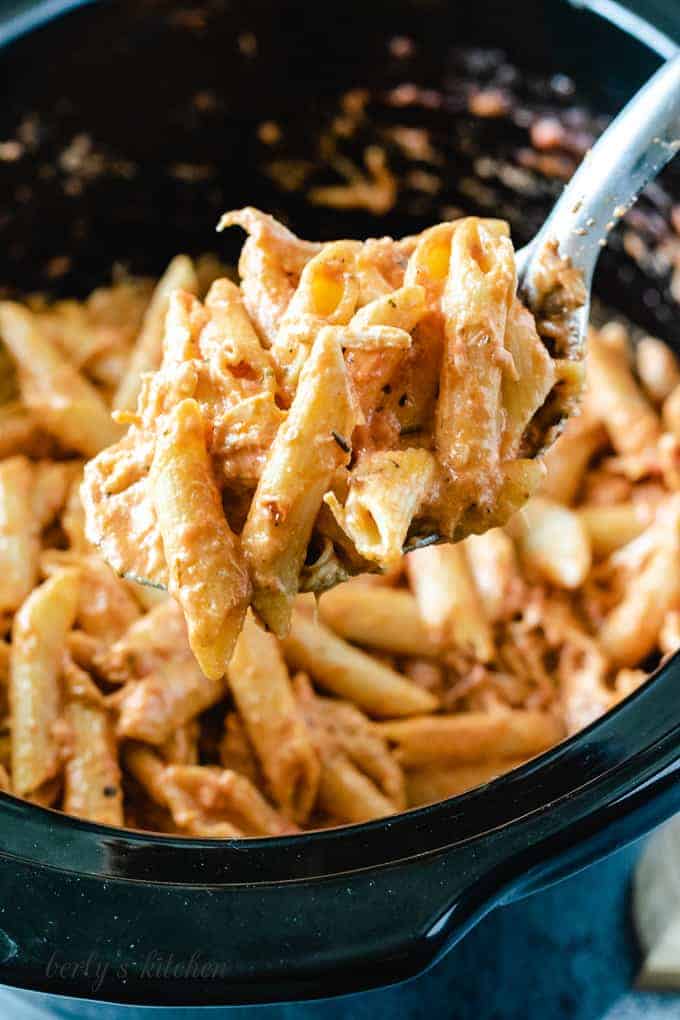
<point>168,97</point>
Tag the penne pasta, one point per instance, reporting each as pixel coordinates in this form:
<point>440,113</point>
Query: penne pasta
<point>38,643</point>
<point>19,533</point>
<point>475,302</point>
<point>146,355</point>
<point>207,572</point>
<point>448,600</point>
<point>259,682</point>
<point>105,606</point>
<point>68,406</point>
<point>553,543</point>
<point>430,783</point>
<point>371,370</point>
<point>567,459</point>
<point>51,483</point>
<point>471,736</point>
<point>92,779</point>
<point>348,789</point>
<point>527,381</point>
<point>378,617</point>
<point>493,564</point>
<point>350,673</point>
<point>349,795</point>
<point>631,630</point>
<point>657,368</point>
<point>610,527</point>
<point>303,458</point>
<point>386,491</point>
<point>271,263</point>
<point>354,396</point>
<point>147,645</point>
<point>153,708</point>
<point>631,421</point>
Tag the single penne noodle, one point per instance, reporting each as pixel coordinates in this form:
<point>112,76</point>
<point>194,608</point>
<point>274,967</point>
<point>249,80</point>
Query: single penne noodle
<point>152,708</point>
<point>610,527</point>
<point>477,296</point>
<point>386,491</point>
<point>495,571</point>
<point>348,794</point>
<point>567,459</point>
<point>259,681</point>
<point>525,384</point>
<point>430,783</point>
<point>19,533</point>
<point>553,542</point>
<point>378,617</point>
<point>631,630</point>
<point>616,398</point>
<point>66,404</point>
<point>298,472</point>
<point>351,673</point>
<point>38,643</point>
<point>657,368</point>
<point>146,355</point>
<point>207,571</point>
<point>448,600</point>
<point>471,736</point>
<point>92,779</point>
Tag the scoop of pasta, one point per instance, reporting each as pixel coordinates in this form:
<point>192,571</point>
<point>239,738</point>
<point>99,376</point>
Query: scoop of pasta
<point>347,401</point>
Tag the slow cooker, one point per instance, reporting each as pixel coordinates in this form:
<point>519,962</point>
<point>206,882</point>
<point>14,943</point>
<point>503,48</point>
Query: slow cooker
<point>173,921</point>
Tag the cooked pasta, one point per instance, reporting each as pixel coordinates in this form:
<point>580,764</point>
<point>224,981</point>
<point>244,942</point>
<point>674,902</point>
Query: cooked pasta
<point>350,397</point>
<point>276,409</point>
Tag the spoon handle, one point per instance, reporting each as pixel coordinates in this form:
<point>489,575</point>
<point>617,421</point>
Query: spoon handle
<point>633,149</point>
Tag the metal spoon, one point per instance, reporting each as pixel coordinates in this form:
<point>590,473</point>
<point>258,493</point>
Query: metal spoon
<point>633,150</point>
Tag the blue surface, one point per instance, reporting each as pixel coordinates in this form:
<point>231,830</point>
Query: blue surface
<point>565,954</point>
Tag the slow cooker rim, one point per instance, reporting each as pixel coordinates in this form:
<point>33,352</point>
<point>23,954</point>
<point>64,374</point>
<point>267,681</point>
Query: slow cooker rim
<point>29,832</point>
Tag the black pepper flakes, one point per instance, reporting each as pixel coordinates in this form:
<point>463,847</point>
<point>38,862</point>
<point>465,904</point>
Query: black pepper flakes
<point>341,441</point>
